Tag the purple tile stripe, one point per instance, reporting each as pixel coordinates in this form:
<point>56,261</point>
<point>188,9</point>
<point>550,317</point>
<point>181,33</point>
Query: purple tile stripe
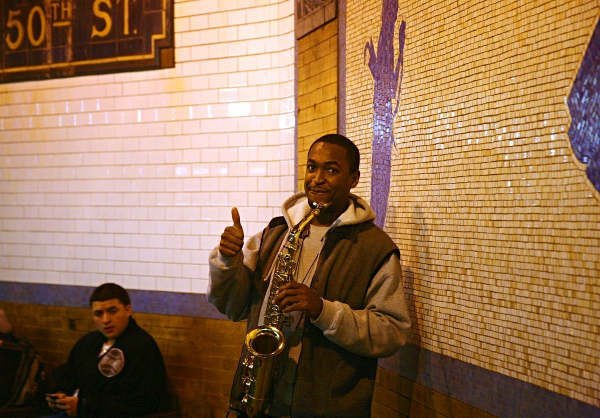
<point>143,301</point>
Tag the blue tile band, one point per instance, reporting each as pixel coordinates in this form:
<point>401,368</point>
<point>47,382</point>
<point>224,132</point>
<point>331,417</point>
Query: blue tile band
<point>142,301</point>
<point>484,389</point>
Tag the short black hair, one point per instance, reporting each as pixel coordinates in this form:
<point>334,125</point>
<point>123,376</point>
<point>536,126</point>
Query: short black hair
<point>352,153</point>
<point>108,291</point>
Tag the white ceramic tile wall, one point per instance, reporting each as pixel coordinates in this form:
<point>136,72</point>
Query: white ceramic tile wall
<point>131,177</point>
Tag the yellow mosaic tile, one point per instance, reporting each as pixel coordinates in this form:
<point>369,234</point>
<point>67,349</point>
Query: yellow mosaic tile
<point>498,226</point>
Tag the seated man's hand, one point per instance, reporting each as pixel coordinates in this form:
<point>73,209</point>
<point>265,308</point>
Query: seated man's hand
<point>67,404</point>
<point>51,398</point>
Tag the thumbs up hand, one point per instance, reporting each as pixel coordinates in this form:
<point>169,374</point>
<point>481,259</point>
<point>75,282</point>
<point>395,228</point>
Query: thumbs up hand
<point>232,239</point>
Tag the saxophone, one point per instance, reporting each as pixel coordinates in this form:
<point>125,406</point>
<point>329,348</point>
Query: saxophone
<point>265,342</point>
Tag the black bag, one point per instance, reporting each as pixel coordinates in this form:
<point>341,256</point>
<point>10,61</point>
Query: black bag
<point>22,379</point>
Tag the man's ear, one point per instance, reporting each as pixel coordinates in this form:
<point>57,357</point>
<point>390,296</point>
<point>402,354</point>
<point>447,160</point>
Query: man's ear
<point>355,180</point>
<point>128,310</point>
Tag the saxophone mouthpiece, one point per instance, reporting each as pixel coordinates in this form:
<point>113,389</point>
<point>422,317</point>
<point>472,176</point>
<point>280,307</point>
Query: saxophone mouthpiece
<point>320,205</point>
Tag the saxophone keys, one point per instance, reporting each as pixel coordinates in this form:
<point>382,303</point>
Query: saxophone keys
<point>246,382</point>
<point>248,362</point>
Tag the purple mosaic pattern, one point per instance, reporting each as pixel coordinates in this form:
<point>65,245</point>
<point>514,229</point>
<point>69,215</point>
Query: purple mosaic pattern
<point>342,67</point>
<point>584,105</point>
<point>387,77</point>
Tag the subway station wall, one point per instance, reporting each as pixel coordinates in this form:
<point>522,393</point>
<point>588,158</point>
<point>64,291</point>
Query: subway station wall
<point>485,166</point>
<point>461,112</point>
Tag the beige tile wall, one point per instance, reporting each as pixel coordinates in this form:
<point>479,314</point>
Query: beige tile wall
<point>498,226</point>
<point>131,177</point>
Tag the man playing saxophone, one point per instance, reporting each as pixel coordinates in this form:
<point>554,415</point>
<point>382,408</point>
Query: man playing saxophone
<point>346,299</point>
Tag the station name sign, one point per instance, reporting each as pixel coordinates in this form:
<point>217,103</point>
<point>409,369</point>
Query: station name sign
<point>42,39</point>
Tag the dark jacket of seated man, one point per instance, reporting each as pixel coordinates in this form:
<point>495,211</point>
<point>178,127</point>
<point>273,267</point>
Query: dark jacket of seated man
<point>117,371</point>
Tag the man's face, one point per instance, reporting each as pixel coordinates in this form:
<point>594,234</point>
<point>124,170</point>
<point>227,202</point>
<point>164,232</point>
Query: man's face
<point>111,317</point>
<point>328,177</point>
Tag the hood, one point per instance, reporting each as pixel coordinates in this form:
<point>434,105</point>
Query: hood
<point>296,207</point>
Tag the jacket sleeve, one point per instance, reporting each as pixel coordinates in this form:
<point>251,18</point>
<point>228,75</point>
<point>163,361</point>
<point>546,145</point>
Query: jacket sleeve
<point>65,376</point>
<point>230,279</point>
<point>378,330</point>
<point>143,387</point>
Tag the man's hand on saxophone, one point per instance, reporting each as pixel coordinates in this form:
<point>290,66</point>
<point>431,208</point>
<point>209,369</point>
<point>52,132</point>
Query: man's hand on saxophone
<point>294,296</point>
<point>232,239</point>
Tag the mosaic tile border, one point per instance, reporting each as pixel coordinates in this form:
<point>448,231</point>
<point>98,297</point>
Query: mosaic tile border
<point>492,392</point>
<point>584,108</point>
<point>142,301</point>
<point>312,14</point>
<point>489,391</point>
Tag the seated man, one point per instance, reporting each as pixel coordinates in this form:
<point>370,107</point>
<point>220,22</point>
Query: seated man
<point>9,361</point>
<point>117,371</point>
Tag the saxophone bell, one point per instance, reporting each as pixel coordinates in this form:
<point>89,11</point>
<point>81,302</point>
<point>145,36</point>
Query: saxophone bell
<point>265,341</point>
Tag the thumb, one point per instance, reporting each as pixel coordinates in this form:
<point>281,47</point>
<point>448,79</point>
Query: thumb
<point>235,216</point>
